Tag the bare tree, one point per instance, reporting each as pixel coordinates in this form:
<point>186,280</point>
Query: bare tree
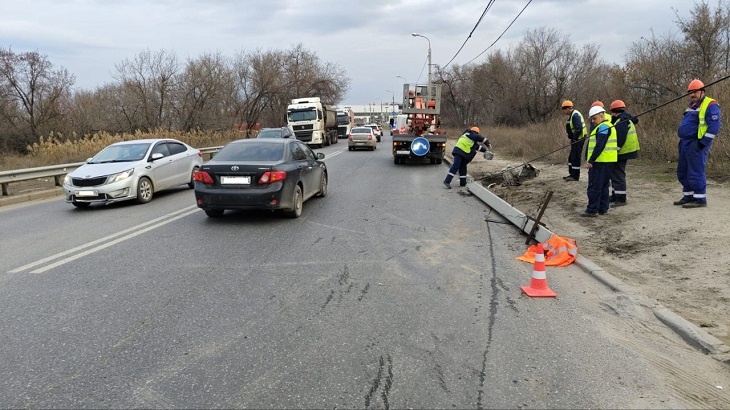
<point>147,84</point>
<point>33,94</point>
<point>203,92</point>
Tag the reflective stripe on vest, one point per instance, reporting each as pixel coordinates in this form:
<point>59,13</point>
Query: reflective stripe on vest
<point>610,151</point>
<point>570,124</point>
<point>465,143</point>
<point>632,140</point>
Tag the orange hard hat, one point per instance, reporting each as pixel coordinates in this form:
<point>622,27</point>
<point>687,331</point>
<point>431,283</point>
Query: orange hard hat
<point>597,103</point>
<point>695,85</point>
<point>567,104</point>
<point>475,129</point>
<point>617,104</point>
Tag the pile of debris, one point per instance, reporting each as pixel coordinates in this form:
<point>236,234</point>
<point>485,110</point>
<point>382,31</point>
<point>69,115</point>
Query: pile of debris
<point>509,176</point>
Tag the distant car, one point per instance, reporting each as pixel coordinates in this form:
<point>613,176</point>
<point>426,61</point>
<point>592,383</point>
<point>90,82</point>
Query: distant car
<point>261,173</point>
<point>132,170</point>
<point>376,130</point>
<point>283,132</point>
<point>362,137</point>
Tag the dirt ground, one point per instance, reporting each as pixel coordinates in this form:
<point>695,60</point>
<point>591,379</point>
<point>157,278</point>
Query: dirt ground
<point>674,255</point>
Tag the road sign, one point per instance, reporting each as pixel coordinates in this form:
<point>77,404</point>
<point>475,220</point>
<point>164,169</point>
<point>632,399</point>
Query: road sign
<point>420,146</point>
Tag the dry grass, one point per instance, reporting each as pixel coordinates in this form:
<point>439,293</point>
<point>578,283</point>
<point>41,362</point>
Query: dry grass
<point>549,143</point>
<point>56,149</point>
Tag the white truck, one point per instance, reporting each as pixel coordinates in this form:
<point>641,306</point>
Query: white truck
<point>345,122</point>
<point>312,122</point>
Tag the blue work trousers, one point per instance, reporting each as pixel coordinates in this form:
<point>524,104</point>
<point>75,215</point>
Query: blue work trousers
<point>459,165</point>
<point>691,169</point>
<point>599,176</point>
<point>574,158</point>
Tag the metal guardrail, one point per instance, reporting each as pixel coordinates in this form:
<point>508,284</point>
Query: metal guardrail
<point>57,172</point>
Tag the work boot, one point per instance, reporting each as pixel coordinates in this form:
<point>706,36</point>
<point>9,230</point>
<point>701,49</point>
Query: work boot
<point>618,203</point>
<point>589,214</point>
<point>684,200</point>
<point>447,185</point>
<point>695,204</point>
<point>568,177</point>
<point>611,199</point>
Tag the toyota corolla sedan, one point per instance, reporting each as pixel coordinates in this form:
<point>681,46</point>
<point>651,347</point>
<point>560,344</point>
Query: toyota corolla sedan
<point>132,170</point>
<point>261,173</point>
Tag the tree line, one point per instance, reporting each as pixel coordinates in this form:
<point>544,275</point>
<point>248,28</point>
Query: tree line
<point>154,90</point>
<point>519,86</point>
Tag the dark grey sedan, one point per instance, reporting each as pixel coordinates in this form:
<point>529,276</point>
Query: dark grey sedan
<point>270,173</point>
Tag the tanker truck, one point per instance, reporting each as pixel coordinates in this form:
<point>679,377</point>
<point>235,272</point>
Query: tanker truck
<point>312,122</point>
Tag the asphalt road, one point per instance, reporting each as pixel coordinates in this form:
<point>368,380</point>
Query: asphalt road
<point>391,292</point>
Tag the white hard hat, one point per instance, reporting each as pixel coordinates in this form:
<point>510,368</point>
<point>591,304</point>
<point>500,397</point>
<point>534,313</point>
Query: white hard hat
<point>595,110</point>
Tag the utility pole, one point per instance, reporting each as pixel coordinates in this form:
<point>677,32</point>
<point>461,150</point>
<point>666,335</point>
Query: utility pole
<point>428,92</point>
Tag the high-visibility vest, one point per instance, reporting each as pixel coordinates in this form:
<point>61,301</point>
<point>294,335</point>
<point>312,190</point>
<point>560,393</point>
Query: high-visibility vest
<point>584,131</point>
<point>610,151</point>
<point>559,251</point>
<point>632,140</point>
<point>702,129</point>
<point>465,143</point>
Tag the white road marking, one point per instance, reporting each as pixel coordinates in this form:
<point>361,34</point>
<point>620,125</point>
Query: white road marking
<point>180,213</point>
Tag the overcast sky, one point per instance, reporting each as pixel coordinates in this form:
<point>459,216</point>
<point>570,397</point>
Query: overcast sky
<point>371,40</point>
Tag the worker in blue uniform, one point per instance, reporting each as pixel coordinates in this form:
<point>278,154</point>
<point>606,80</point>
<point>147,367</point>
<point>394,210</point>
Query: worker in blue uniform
<point>467,146</point>
<point>601,153</point>
<point>699,127</point>
<point>575,127</point>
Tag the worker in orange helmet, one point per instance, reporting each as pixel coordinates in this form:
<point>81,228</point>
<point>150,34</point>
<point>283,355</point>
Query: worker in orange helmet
<point>628,148</point>
<point>699,127</point>
<point>469,143</point>
<point>575,127</point>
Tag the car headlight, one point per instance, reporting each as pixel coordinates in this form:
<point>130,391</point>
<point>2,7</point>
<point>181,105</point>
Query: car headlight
<point>120,176</point>
<point>67,180</point>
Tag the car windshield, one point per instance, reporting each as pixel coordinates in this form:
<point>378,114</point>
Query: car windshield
<point>121,153</point>
<point>343,119</point>
<point>305,115</point>
<point>251,151</point>
<point>361,130</point>
<point>270,134</point>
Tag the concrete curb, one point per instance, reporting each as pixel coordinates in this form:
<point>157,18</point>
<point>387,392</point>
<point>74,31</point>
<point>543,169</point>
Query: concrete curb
<point>30,196</point>
<point>688,331</point>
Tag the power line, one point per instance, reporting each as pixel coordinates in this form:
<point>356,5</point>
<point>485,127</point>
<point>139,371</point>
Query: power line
<point>500,36</point>
<point>486,9</point>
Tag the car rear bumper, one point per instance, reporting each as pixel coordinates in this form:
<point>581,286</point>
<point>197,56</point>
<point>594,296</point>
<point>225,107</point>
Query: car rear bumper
<point>272,197</point>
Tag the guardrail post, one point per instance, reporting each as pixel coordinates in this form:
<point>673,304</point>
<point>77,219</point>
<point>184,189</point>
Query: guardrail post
<point>5,189</point>
<point>57,180</point>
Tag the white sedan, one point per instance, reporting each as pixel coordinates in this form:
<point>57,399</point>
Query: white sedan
<point>132,170</point>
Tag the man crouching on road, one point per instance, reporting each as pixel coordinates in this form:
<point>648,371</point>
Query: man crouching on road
<point>467,146</point>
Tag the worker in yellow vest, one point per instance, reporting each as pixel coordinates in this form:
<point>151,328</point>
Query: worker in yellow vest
<point>699,127</point>
<point>628,148</point>
<point>601,154</point>
<point>467,146</point>
<point>575,127</point>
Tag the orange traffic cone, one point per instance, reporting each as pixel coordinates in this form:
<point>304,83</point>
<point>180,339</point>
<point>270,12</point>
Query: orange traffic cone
<point>538,283</point>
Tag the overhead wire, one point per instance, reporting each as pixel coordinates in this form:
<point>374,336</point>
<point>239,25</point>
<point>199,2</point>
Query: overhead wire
<point>500,36</point>
<point>486,9</point>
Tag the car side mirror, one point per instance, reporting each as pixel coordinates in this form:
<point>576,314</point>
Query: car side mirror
<point>156,156</point>
<point>320,155</point>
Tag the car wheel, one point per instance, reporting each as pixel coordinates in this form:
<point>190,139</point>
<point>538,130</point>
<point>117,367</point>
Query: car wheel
<point>145,190</point>
<point>214,213</point>
<point>191,184</point>
<point>323,186</point>
<point>350,148</point>
<point>80,204</point>
<point>297,203</point>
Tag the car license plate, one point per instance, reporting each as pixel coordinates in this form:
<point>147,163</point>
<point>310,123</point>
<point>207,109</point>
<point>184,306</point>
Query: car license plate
<point>359,143</point>
<point>402,152</point>
<point>235,180</point>
<point>87,193</point>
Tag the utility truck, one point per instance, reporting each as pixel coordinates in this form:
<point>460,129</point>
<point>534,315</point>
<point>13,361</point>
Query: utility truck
<point>345,122</point>
<point>312,121</point>
<point>417,135</point>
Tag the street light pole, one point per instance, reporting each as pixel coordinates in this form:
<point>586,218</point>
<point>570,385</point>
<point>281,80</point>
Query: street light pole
<point>428,92</point>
